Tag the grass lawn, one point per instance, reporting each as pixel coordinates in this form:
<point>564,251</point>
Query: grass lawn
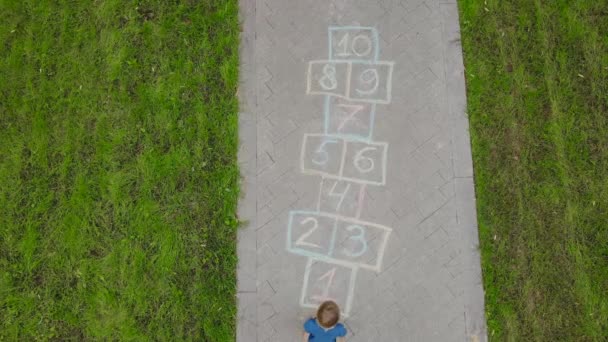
<point>537,79</point>
<point>118,172</point>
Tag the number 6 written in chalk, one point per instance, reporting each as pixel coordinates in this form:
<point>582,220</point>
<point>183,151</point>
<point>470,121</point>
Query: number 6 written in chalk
<point>362,163</point>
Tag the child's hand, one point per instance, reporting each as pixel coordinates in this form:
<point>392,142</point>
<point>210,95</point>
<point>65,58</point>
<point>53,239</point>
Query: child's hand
<point>305,337</point>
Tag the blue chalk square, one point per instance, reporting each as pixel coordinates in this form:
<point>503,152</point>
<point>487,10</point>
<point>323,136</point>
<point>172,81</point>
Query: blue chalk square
<point>349,119</point>
<point>353,43</point>
<point>310,234</point>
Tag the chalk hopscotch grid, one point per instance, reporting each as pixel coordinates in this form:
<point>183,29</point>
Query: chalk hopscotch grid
<point>346,139</point>
<point>340,174</point>
<point>374,34</point>
<point>348,76</point>
<point>385,231</point>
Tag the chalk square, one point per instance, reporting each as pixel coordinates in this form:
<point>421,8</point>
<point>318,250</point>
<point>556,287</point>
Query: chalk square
<point>328,77</point>
<point>354,120</point>
<point>328,281</point>
<point>371,81</point>
<point>353,43</point>
<point>340,197</point>
<point>310,234</point>
<point>365,162</point>
<point>361,243</point>
<point>322,154</point>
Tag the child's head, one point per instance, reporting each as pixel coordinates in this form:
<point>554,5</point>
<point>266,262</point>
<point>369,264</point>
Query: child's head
<point>328,314</point>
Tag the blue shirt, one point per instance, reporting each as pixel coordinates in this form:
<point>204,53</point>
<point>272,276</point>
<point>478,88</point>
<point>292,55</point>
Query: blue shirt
<point>319,334</point>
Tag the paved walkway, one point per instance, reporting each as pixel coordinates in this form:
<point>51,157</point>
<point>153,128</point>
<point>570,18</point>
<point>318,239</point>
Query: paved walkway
<point>357,172</point>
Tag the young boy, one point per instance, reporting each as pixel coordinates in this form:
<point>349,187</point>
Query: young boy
<point>325,327</point>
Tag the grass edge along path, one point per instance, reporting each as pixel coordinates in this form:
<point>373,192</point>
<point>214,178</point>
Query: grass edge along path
<point>118,170</point>
<point>537,88</point>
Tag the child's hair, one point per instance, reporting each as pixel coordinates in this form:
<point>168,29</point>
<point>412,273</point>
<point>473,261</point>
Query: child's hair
<point>328,314</point>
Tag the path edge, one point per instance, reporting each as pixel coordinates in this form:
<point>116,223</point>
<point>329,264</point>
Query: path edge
<point>464,185</point>
<point>246,320</point>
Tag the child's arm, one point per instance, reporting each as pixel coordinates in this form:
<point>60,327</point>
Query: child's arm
<point>305,337</point>
<point>341,339</point>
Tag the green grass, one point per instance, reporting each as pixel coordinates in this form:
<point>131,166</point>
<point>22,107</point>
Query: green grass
<point>537,79</point>
<point>118,173</point>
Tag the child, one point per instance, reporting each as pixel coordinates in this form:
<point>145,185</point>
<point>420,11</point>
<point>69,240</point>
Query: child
<point>325,327</point>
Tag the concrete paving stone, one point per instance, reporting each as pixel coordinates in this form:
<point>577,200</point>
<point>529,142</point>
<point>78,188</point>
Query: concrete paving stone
<point>264,216</point>
<point>246,330</point>
<point>265,254</point>
<point>247,301</point>
<point>266,331</point>
<point>246,281</point>
<point>282,201</point>
<point>275,171</point>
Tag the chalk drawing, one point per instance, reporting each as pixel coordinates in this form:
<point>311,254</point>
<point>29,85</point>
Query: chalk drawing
<point>353,42</point>
<point>342,158</point>
<point>349,120</point>
<point>350,111</point>
<point>321,152</point>
<point>360,237</point>
<point>323,281</point>
<point>371,82</point>
<point>302,239</point>
<point>307,233</point>
<point>360,201</point>
<point>350,47</point>
<point>341,240</point>
<point>329,275</point>
<point>362,163</point>
<point>334,238</point>
<point>369,78</point>
<point>329,77</point>
<point>340,197</point>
